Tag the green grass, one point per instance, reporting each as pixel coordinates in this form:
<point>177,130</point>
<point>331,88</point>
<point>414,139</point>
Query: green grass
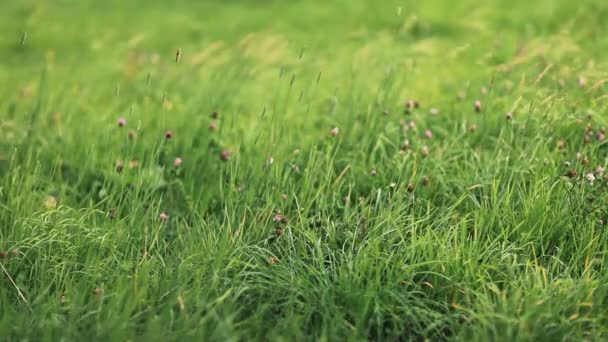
<point>499,245</point>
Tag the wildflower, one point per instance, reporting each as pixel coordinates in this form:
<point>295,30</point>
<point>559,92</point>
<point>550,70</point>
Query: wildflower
<point>225,155</point>
<point>119,166</point>
<point>50,202</point>
<point>215,115</point>
<point>278,231</point>
<point>334,131</point>
<point>425,180</point>
<point>406,145</point>
<point>273,260</point>
<point>425,151</point>
<point>163,216</point>
<point>374,172</point>
<point>133,163</point>
<point>98,291</point>
<point>473,128</point>
<point>590,177</point>
<point>582,81</point>
<point>477,106</point>
<point>278,218</point>
<point>428,133</point>
<point>483,90</point>
<point>122,122</point>
<point>600,170</point>
<point>561,144</point>
<point>411,104</point>
<point>509,116</point>
<point>177,162</point>
<point>601,136</point>
<point>15,252</point>
<point>412,125</point>
<point>411,187</point>
<point>434,111</point>
<point>132,134</point>
<point>572,173</point>
<point>169,134</point>
<point>212,126</point>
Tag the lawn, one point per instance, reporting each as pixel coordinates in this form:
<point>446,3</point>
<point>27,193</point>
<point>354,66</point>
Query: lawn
<point>245,170</point>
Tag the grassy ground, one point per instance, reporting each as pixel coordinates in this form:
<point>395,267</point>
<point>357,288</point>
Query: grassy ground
<point>318,203</point>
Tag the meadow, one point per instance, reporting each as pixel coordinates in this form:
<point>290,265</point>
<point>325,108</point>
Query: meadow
<point>303,170</point>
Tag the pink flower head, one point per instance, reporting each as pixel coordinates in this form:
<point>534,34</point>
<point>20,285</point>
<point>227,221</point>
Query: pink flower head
<point>212,126</point>
<point>582,81</point>
<point>225,155</point>
<point>425,151</point>
<point>122,122</point>
<point>163,216</point>
<point>411,104</point>
<point>428,133</point>
<point>477,106</point>
<point>177,162</point>
<point>119,166</point>
<point>277,218</point>
<point>169,134</point>
<point>590,177</point>
<point>334,131</point>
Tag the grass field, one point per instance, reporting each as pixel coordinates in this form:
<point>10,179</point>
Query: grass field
<point>303,170</point>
